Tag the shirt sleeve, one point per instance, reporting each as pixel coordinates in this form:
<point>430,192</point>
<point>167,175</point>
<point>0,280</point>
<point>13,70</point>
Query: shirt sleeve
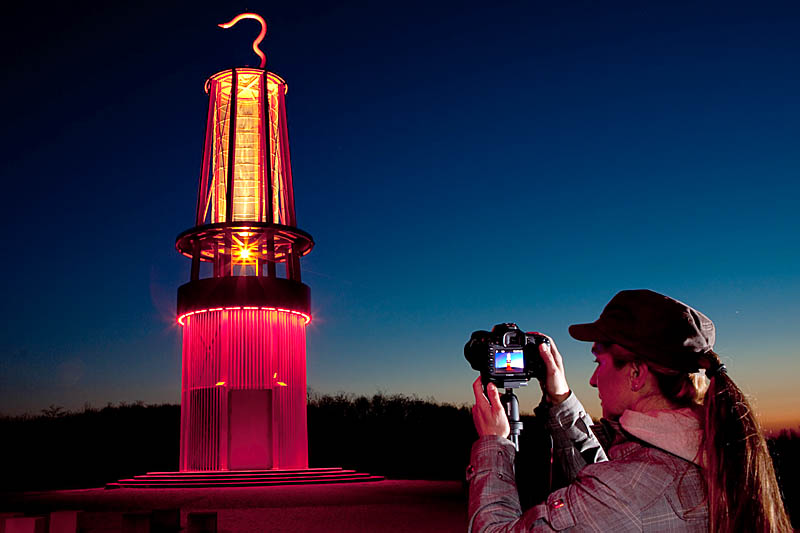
<point>493,499</point>
<point>574,443</point>
<point>605,497</point>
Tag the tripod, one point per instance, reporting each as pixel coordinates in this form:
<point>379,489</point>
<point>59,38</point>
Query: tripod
<point>511,405</point>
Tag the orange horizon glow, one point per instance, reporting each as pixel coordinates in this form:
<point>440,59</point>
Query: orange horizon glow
<point>776,420</point>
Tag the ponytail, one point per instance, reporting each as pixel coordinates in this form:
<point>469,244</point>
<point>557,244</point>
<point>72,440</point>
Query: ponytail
<point>743,492</point>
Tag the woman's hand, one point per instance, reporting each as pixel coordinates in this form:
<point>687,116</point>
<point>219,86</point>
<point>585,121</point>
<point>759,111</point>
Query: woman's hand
<point>488,413</point>
<point>555,383</point>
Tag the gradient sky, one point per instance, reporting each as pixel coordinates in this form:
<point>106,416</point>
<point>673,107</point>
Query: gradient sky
<point>458,165</point>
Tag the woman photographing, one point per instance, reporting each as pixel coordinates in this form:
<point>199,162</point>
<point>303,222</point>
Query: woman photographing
<point>678,448</point>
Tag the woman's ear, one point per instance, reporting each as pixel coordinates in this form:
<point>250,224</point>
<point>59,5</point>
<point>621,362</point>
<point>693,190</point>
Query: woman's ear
<point>638,375</point>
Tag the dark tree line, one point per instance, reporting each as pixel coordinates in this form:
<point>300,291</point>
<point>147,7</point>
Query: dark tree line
<point>396,436</point>
<point>88,448</point>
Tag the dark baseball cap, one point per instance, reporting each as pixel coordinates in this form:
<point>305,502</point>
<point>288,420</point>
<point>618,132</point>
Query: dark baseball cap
<point>655,327</point>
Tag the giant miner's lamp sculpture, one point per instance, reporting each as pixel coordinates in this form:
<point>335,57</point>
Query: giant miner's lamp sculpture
<point>244,310</point>
<point>243,395</point>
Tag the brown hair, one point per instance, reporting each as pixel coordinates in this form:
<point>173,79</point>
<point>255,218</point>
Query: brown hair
<point>742,490</point>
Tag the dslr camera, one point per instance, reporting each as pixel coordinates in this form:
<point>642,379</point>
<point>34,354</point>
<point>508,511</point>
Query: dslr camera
<point>506,356</point>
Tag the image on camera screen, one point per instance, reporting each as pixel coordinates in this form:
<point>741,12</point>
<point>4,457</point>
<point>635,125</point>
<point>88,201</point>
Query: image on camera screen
<point>510,361</point>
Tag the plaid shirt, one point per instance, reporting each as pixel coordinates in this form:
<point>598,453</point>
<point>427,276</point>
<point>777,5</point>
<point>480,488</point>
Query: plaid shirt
<point>637,487</point>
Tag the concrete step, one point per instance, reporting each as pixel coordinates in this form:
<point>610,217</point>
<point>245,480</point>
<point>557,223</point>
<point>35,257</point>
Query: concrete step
<point>248,478</point>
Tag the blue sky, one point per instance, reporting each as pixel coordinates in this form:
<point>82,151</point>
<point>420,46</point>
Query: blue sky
<point>458,165</point>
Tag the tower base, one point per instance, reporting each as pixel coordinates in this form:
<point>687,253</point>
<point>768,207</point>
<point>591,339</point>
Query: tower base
<point>242,478</point>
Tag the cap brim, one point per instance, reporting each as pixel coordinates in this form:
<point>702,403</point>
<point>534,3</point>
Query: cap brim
<point>588,332</point>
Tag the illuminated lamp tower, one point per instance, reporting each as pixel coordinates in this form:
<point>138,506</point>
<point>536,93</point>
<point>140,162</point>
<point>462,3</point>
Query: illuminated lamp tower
<point>244,310</point>
<point>243,395</point>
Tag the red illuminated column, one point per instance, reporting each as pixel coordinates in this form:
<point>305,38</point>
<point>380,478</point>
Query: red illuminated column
<point>245,390</point>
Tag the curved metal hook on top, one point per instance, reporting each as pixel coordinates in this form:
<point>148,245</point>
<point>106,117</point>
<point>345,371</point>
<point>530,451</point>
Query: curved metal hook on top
<point>260,37</point>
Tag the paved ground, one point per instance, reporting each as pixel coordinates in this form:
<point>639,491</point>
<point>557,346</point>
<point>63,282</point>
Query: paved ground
<point>384,506</point>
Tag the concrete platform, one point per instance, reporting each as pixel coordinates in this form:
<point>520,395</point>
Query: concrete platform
<point>387,506</point>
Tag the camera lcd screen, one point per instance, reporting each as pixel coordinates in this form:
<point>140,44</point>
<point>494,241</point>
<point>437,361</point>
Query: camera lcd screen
<point>509,362</point>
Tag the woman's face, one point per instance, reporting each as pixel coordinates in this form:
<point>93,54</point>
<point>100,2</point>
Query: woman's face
<point>613,384</point>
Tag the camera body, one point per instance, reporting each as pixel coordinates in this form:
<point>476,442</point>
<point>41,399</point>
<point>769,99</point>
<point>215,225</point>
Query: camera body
<point>506,356</point>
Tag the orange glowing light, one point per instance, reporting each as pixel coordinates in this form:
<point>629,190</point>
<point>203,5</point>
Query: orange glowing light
<point>282,384</point>
<point>250,193</point>
<point>219,384</point>
<point>245,252</point>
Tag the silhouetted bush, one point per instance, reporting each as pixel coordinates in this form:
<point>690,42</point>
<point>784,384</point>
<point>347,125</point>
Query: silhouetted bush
<point>88,448</point>
<point>785,451</point>
<point>395,436</point>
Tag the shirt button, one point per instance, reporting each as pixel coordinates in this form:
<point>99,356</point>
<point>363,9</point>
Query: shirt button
<point>557,504</point>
